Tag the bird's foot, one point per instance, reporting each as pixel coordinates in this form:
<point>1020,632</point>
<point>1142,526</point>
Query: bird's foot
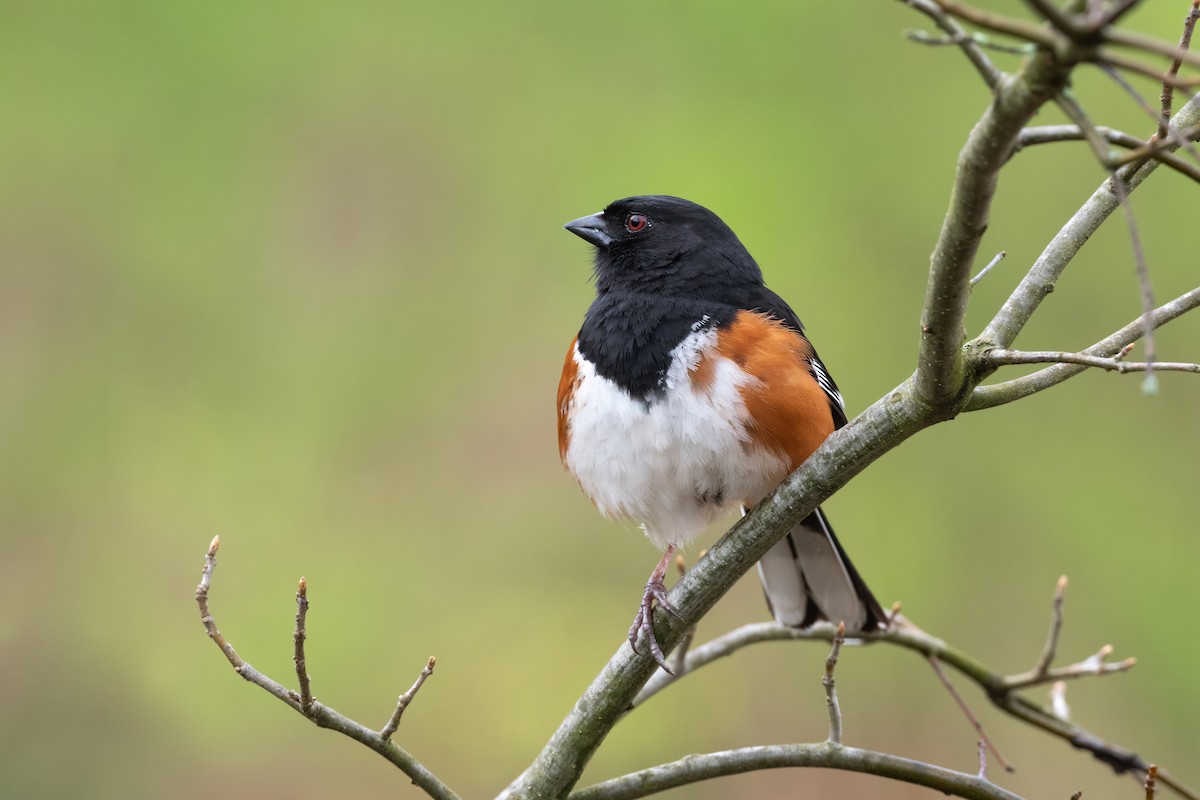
<point>656,593</point>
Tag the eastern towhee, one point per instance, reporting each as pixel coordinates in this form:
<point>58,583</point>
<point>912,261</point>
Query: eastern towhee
<point>691,390</point>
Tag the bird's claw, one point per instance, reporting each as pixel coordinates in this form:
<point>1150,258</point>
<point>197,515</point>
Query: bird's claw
<point>656,593</point>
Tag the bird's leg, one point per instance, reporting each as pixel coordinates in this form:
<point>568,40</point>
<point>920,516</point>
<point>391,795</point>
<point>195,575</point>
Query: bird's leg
<point>656,591</point>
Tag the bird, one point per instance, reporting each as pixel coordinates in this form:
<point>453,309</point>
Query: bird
<point>691,391</point>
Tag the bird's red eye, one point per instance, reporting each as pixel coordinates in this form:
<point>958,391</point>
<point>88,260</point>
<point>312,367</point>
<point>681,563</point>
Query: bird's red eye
<point>635,223</point>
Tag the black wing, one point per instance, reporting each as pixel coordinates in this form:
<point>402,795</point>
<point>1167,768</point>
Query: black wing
<point>770,303</point>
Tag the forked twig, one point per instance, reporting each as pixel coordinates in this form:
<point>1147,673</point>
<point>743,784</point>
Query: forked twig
<point>319,714</point>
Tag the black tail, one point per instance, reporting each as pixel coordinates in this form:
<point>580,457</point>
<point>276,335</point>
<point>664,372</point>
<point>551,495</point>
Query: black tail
<point>808,577</point>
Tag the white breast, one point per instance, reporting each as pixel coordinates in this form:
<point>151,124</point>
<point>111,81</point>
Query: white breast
<point>676,463</point>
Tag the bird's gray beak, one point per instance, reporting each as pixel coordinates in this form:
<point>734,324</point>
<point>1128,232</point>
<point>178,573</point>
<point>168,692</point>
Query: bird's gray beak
<point>594,229</point>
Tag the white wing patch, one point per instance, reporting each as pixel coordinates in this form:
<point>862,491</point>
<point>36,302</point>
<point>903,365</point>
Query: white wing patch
<point>825,382</point>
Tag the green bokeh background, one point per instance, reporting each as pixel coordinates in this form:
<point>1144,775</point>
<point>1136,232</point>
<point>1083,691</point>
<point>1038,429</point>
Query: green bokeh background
<point>293,273</point>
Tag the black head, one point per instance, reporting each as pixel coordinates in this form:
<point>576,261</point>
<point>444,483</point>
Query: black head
<point>665,245</point>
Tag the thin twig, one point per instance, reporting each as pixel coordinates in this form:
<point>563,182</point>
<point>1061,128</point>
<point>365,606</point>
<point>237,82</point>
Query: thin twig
<point>1117,9</point>
<point>983,751</point>
<point>998,394</point>
<point>1039,282</point>
<point>1167,95</point>
<point>1110,364</point>
<point>1148,44</point>
<point>1154,114</point>
<point>923,37</point>
<point>1042,666</point>
<point>831,700</point>
<point>1017,28</point>
<point>1189,133</point>
<point>995,260</point>
<point>1092,665</point>
<point>971,48</point>
<point>1071,107</point>
<point>1121,61</point>
<point>299,637</point>
<point>962,704</point>
<point>1151,780</point>
<point>320,715</point>
<point>210,624</point>
<point>697,768</point>
<point>394,722</point>
<point>1151,112</point>
<point>1061,21</point>
<point>1046,134</point>
<point>1068,104</point>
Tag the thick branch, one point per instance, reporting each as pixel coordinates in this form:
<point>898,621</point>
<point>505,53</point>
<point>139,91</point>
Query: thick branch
<point>696,768</point>
<point>881,427</point>
<point>941,369</point>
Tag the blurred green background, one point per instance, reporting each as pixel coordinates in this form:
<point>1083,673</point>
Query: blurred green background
<point>294,274</point>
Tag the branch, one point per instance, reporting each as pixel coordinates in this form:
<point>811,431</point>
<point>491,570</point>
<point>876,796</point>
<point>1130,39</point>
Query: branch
<point>1148,44</point>
<point>835,711</point>
<point>1065,23</point>
<point>1042,276</point>
<point>299,637</point>
<point>1046,134</point>
<point>1068,104</point>
<point>1001,393</point>
<point>1167,94</point>
<point>394,721</point>
<point>1152,148</point>
<point>1120,61</point>
<point>1161,116</point>
<point>1018,28</point>
<point>1042,666</point>
<point>996,259</point>
<point>1093,665</point>
<point>322,716</point>
<point>696,768</point>
<point>1001,357</point>
<point>1000,689</point>
<point>985,742</point>
<point>941,368</point>
<point>971,48</point>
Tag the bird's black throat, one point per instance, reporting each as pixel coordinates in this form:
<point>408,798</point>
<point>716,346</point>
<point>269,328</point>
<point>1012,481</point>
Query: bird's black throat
<point>629,337</point>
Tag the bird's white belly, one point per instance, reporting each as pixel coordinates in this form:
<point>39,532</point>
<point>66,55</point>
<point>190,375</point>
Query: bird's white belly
<point>674,463</point>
